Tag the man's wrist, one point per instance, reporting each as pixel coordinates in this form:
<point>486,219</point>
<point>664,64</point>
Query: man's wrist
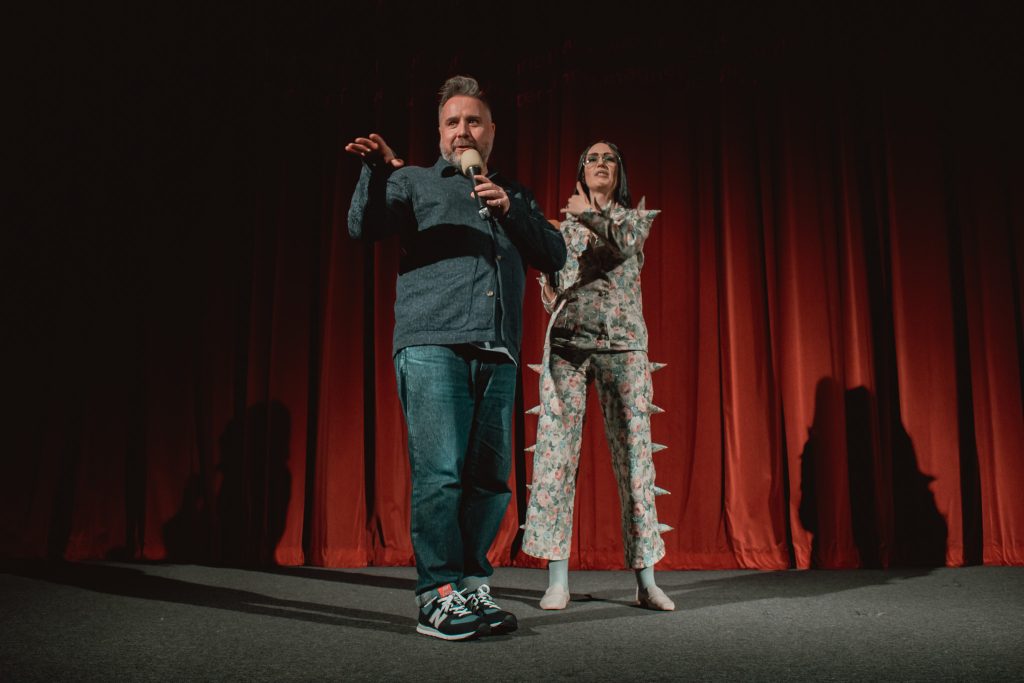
<point>508,212</point>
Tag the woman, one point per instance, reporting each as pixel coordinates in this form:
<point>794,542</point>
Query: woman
<point>597,334</point>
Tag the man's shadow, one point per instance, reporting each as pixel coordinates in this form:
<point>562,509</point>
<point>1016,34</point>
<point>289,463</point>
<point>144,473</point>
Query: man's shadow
<point>892,512</point>
<point>734,587</point>
<point>234,513</point>
<point>135,582</point>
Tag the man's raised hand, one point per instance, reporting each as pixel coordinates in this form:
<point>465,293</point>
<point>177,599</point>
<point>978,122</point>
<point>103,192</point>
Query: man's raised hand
<point>374,150</point>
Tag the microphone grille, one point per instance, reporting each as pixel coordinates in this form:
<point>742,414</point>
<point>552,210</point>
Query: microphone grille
<point>470,158</point>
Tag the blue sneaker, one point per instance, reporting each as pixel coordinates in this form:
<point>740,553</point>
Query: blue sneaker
<point>481,602</point>
<point>446,616</point>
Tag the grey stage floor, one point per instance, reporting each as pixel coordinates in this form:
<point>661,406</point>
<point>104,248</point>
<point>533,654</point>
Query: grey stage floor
<point>120,621</point>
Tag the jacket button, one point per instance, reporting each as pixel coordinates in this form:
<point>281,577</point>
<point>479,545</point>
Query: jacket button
<point>490,292</point>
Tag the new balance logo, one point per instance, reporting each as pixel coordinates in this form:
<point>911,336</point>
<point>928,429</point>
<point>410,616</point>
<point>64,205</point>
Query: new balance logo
<point>438,617</point>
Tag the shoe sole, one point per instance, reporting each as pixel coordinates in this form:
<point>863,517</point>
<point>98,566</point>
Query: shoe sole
<point>481,630</point>
<point>507,626</point>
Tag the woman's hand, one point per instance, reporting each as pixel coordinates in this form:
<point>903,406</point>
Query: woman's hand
<point>578,202</point>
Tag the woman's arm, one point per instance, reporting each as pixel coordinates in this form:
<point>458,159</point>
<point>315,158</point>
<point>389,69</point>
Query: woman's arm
<point>624,230</point>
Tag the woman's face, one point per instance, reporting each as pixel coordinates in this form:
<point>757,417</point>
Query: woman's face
<point>601,169</point>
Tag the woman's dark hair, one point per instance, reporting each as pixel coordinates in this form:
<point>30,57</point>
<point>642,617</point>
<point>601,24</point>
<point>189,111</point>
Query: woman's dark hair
<point>621,194</point>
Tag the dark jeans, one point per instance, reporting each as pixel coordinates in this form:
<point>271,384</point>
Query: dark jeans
<point>458,410</point>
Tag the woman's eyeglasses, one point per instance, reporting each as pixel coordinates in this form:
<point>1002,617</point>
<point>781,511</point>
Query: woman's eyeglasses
<point>606,158</point>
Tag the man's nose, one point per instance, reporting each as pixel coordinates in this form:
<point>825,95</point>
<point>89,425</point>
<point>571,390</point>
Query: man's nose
<point>462,130</point>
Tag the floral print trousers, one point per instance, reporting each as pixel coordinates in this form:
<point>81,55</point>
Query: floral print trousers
<point>623,381</point>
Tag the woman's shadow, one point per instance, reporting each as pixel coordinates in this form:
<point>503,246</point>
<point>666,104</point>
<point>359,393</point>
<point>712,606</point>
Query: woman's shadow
<point>892,512</point>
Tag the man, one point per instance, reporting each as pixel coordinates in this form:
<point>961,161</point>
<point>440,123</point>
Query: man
<point>458,311</point>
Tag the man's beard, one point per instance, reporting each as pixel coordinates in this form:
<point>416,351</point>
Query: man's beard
<point>454,155</point>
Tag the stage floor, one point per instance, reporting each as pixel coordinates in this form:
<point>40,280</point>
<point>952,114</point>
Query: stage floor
<point>132,621</point>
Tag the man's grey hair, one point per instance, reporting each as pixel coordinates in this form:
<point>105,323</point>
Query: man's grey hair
<point>460,85</point>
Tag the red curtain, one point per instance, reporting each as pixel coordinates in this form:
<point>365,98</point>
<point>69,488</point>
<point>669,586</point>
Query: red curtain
<point>835,284</point>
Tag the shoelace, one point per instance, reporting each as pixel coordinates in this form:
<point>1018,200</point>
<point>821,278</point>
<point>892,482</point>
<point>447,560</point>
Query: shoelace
<point>454,603</point>
<point>483,597</point>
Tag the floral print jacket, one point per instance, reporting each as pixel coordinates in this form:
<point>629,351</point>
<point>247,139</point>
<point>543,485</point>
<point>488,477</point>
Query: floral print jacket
<point>599,304</point>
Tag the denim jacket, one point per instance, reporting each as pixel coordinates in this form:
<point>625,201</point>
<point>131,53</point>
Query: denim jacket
<point>461,278</point>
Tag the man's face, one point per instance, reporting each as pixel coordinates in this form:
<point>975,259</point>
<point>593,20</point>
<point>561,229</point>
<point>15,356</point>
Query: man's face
<point>465,122</point>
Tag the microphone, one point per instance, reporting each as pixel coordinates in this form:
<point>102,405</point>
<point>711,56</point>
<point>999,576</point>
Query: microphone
<point>473,164</point>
